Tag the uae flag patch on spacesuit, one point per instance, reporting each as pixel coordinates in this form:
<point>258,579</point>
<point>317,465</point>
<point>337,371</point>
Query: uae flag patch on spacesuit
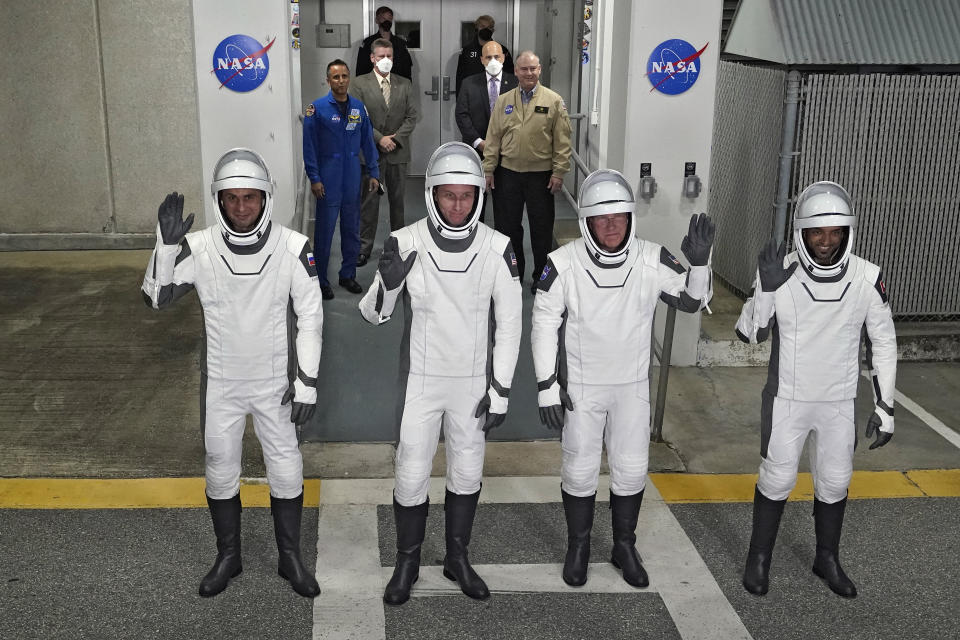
<point>881,288</point>
<point>667,258</point>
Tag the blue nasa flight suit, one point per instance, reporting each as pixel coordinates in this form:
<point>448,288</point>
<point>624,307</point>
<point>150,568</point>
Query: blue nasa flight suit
<point>331,147</point>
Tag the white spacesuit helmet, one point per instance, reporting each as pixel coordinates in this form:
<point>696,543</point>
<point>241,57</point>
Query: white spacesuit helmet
<point>242,169</point>
<point>454,163</point>
<point>603,192</point>
<point>823,204</point>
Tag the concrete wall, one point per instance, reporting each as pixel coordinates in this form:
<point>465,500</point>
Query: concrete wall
<point>99,115</point>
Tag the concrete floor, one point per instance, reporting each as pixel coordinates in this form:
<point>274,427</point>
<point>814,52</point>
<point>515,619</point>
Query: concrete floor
<point>94,384</point>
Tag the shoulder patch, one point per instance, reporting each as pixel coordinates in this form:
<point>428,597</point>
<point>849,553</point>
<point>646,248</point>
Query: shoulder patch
<point>666,258</point>
<point>308,261</point>
<point>511,259</point>
<point>548,276</point>
<point>881,288</point>
<point>310,110</point>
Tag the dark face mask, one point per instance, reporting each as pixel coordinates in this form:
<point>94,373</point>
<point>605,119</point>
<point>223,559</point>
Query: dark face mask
<point>386,25</point>
<point>485,34</point>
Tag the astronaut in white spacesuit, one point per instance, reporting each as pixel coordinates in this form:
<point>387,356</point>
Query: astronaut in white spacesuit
<point>250,274</point>
<point>592,322</point>
<point>461,293</point>
<point>814,302</point>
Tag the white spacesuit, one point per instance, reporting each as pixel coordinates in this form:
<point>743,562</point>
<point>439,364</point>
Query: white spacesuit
<point>815,315</point>
<point>256,357</point>
<point>461,290</point>
<point>592,322</point>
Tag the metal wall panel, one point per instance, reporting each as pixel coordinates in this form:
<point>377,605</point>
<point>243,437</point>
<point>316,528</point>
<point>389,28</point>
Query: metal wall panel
<point>894,143</point>
<point>746,141</point>
<point>918,32</point>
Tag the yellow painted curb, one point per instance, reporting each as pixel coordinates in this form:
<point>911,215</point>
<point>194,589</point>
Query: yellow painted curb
<point>937,483</point>
<point>733,487</point>
<point>129,493</point>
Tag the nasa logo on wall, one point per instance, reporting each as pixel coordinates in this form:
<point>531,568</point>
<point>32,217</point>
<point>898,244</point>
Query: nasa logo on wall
<point>241,63</point>
<point>674,66</point>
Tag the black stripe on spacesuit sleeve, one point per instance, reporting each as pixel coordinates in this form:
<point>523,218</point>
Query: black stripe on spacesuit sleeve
<point>305,379</point>
<point>184,252</point>
<point>683,302</point>
<point>502,391</point>
<point>511,259</point>
<point>170,293</point>
<point>881,288</point>
<point>547,277</point>
<point>308,261</point>
<point>667,259</point>
<point>543,385</point>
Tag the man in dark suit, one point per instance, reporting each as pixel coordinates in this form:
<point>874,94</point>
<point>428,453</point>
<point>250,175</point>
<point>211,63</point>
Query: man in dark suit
<point>477,95</point>
<point>392,109</point>
<point>470,61</point>
<point>402,62</point>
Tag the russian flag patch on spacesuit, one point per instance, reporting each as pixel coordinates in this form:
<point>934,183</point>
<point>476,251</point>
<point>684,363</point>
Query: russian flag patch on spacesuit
<point>310,260</point>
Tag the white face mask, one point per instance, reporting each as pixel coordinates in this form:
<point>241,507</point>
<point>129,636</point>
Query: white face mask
<point>494,66</point>
<point>384,65</point>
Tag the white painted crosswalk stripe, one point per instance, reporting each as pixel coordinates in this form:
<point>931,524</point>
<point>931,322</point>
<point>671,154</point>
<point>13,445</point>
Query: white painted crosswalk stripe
<point>352,579</point>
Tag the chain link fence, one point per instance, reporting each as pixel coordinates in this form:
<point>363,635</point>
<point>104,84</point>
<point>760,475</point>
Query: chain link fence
<point>743,161</point>
<point>892,140</point>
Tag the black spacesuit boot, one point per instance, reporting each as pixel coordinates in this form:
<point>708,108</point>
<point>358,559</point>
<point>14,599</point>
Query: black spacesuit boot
<point>226,526</point>
<point>579,514</point>
<point>766,522</point>
<point>459,511</point>
<point>828,521</point>
<point>411,528</point>
<point>625,511</point>
<point>286,528</point>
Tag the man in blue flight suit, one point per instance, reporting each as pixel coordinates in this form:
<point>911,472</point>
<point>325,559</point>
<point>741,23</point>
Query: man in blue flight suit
<point>336,128</point>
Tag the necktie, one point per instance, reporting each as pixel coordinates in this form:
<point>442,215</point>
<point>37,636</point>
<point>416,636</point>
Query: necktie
<point>493,93</point>
<point>385,86</point>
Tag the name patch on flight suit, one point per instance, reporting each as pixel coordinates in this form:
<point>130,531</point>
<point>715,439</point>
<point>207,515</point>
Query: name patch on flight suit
<point>541,109</point>
<point>353,119</point>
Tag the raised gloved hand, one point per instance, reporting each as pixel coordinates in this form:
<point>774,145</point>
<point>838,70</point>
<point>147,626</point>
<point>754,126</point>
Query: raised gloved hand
<point>495,408</point>
<point>553,401</point>
<point>300,412</point>
<point>699,239</point>
<point>883,428</point>
<point>770,264</point>
<point>393,269</point>
<point>170,216</point>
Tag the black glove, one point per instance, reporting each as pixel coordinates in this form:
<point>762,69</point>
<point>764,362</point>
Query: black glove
<point>170,216</point>
<point>552,416</point>
<point>699,239</point>
<point>300,413</point>
<point>770,261</point>
<point>393,269</point>
<point>493,420</point>
<point>873,426</point>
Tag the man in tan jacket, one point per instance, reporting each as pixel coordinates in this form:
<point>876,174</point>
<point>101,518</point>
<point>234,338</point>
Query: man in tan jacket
<point>526,155</point>
<point>392,108</point>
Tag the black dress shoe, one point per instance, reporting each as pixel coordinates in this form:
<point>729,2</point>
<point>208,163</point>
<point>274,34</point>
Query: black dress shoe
<point>362,259</point>
<point>351,285</point>
<point>326,291</point>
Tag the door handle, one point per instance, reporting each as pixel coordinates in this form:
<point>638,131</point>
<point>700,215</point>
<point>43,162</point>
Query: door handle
<point>436,89</point>
<point>446,88</point>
